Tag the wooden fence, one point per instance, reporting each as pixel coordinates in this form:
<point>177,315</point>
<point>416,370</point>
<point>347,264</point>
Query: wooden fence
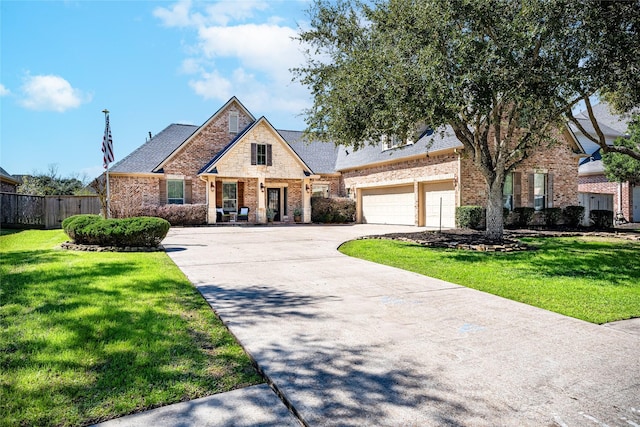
<point>24,211</point>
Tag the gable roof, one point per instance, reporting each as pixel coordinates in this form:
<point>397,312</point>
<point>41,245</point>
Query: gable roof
<point>442,139</point>
<point>262,120</point>
<point>320,156</point>
<point>147,157</point>
<point>232,100</point>
<point>612,126</point>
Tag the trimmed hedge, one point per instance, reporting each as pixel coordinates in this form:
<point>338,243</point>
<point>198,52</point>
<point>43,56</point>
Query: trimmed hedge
<point>601,218</point>
<point>523,216</point>
<point>552,216</point>
<point>195,214</point>
<point>136,231</point>
<point>336,211</point>
<point>469,217</point>
<point>573,215</point>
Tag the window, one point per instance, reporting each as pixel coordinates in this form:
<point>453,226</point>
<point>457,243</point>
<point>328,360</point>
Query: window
<point>507,192</point>
<point>175,191</point>
<point>539,191</point>
<point>233,122</point>
<point>394,141</point>
<point>261,154</point>
<point>230,196</point>
<point>320,190</point>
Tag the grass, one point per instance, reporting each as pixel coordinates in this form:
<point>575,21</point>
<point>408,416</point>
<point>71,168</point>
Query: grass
<point>86,337</point>
<point>590,279</point>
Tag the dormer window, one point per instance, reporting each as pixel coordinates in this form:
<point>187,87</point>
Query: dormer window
<point>393,141</point>
<point>233,122</point>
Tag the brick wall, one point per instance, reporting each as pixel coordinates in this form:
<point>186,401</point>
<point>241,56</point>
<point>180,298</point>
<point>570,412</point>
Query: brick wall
<point>600,185</point>
<point>128,193</point>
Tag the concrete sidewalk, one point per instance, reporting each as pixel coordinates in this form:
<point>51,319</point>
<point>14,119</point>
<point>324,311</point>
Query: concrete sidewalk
<point>348,342</point>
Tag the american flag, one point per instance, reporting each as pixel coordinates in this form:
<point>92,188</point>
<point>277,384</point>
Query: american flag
<point>107,144</point>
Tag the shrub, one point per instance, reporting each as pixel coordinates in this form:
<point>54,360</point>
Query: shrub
<point>195,214</point>
<point>137,231</point>
<point>469,217</point>
<point>601,218</point>
<point>76,222</point>
<point>552,216</point>
<point>573,215</point>
<point>523,216</point>
<point>332,210</point>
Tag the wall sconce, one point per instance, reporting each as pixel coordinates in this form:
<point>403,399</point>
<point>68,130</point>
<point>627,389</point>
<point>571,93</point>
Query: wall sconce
<point>212,185</point>
<point>306,187</point>
<point>262,187</point>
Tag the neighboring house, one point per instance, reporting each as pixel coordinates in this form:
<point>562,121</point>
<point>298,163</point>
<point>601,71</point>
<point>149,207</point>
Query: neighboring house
<point>8,183</point>
<point>236,160</point>
<point>595,190</point>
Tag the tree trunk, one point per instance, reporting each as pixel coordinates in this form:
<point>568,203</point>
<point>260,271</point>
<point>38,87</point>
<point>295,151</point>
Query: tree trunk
<point>494,218</point>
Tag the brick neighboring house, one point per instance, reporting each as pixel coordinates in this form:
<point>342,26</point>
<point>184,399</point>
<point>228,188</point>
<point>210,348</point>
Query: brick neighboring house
<point>8,183</point>
<point>595,190</point>
<point>236,160</point>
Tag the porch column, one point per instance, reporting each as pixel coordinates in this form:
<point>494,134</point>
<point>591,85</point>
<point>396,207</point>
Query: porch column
<point>306,200</point>
<point>261,213</point>
<point>211,202</point>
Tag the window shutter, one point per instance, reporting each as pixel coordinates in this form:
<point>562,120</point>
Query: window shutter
<point>531,189</point>
<point>550,190</point>
<point>162,183</point>
<point>254,153</point>
<point>187,191</point>
<point>517,189</point>
<point>240,194</point>
<point>218,194</point>
<point>269,161</point>
<point>233,122</point>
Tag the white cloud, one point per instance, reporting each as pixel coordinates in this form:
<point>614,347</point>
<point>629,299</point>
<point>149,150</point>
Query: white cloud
<point>3,90</point>
<point>182,13</point>
<point>212,86</point>
<point>51,93</point>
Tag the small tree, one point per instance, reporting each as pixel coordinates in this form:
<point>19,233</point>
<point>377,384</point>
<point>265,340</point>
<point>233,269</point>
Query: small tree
<point>50,184</point>
<point>100,186</point>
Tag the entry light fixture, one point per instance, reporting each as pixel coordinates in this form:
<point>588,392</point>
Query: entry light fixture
<point>306,187</point>
<point>262,187</point>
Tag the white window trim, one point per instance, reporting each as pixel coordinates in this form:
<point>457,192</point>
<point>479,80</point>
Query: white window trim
<point>169,199</point>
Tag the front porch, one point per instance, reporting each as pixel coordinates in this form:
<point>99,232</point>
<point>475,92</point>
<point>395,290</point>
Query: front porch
<point>267,200</point>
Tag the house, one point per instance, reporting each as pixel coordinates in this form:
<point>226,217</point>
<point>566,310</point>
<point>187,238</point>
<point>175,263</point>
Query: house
<point>595,190</point>
<point>8,183</point>
<point>235,160</point>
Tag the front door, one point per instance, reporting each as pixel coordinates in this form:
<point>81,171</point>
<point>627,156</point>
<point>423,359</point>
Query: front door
<point>273,202</point>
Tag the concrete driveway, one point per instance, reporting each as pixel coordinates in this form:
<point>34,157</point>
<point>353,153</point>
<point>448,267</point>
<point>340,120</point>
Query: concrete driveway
<point>349,342</point>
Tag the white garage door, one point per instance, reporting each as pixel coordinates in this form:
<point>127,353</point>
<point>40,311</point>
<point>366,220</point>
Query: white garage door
<point>440,202</point>
<point>392,205</point>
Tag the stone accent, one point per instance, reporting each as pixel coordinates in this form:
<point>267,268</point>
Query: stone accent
<point>96,248</point>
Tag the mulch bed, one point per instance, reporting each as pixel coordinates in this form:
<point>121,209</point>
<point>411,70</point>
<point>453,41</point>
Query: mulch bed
<point>475,240</point>
<point>96,248</point>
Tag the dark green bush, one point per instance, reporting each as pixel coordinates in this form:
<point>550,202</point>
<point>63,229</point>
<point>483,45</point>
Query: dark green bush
<point>573,215</point>
<point>194,214</point>
<point>469,216</point>
<point>601,218</point>
<point>137,231</point>
<point>75,222</point>
<point>335,211</point>
<point>552,216</point>
<point>523,216</point>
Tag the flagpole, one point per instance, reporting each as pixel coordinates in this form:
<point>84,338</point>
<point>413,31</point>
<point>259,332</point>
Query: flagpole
<point>106,121</point>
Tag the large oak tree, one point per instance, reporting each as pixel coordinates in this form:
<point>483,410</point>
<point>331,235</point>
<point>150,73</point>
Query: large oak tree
<point>504,75</point>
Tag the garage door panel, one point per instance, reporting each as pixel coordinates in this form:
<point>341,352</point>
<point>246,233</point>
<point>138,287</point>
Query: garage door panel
<point>392,205</point>
<point>440,200</point>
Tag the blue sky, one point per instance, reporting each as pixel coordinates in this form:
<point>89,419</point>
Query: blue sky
<point>151,63</point>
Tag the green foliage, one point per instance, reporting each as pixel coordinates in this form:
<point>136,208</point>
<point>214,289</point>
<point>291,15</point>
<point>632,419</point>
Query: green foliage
<point>573,215</point>
<point>469,216</point>
<point>90,336</point>
<point>592,280</point>
<point>136,231</point>
<point>50,184</point>
<point>192,214</point>
<point>620,167</point>
<point>601,218</point>
<point>523,216</point>
<point>552,216</point>
<point>337,211</point>
<point>389,68</point>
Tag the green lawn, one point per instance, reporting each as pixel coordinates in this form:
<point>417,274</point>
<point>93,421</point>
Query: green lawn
<point>594,280</point>
<point>86,337</point>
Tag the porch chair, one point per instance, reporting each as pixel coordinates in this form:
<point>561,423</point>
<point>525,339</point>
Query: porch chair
<point>243,215</point>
